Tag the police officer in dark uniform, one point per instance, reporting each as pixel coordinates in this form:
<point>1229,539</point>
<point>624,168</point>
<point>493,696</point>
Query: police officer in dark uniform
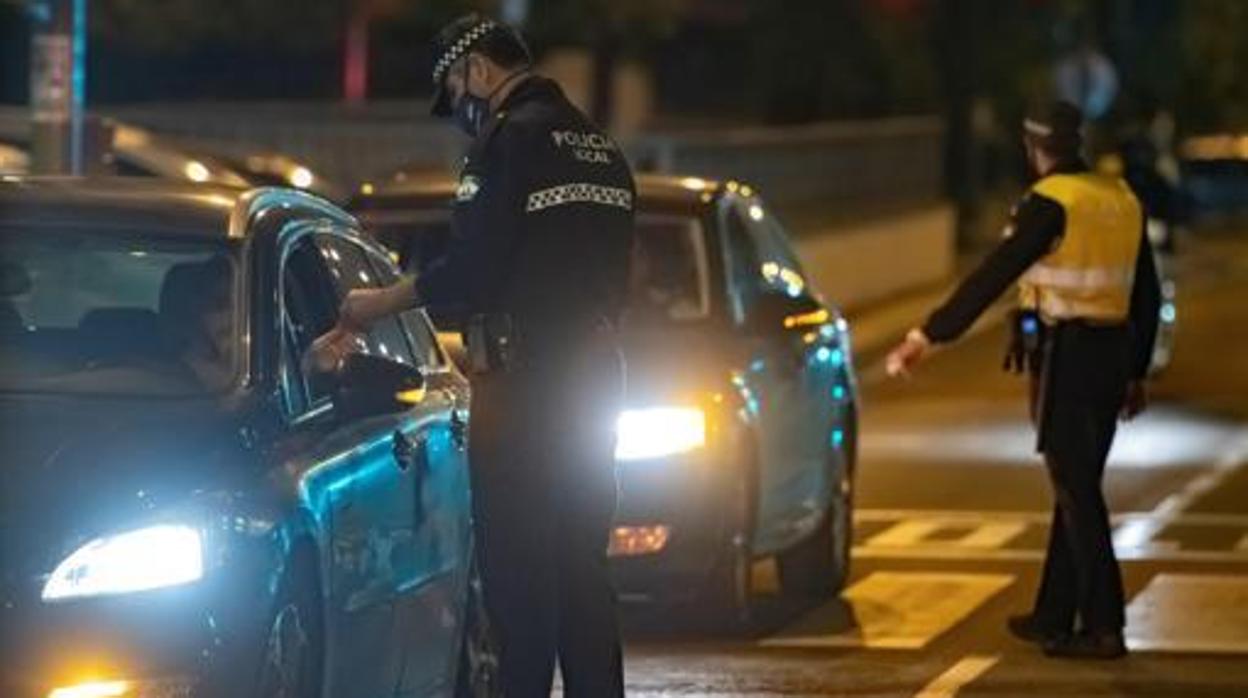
<point>1084,331</point>
<point>538,270</point>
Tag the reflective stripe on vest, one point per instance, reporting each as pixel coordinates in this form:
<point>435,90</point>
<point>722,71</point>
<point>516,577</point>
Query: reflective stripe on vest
<point>1091,271</point>
<point>1094,279</point>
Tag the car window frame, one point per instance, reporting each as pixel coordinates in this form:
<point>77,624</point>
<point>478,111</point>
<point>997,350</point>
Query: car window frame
<point>350,238</point>
<point>312,409</point>
<point>384,265</point>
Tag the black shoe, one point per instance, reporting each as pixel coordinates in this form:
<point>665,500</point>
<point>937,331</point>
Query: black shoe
<point>1028,629</point>
<point>1088,646</point>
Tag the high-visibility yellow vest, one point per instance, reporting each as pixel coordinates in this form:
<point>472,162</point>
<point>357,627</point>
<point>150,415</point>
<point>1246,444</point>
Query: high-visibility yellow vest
<point>1090,273</point>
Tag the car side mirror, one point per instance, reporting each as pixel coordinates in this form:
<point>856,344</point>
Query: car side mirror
<point>774,312</point>
<point>370,386</point>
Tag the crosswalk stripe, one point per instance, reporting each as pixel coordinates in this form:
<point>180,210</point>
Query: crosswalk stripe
<point>894,610</point>
<point>1197,613</point>
<point>1151,553</point>
<point>917,532</point>
<point>957,676</point>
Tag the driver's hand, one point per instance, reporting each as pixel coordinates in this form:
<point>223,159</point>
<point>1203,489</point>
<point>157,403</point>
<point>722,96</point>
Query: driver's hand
<point>908,354</point>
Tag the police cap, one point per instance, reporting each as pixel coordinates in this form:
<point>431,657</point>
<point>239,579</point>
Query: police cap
<point>472,32</point>
<point>1056,126</point>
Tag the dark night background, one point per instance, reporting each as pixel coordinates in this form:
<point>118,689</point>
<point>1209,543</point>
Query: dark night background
<point>744,60</point>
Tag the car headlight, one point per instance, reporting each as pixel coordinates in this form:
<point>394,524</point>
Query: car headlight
<point>148,558</point>
<point>659,431</point>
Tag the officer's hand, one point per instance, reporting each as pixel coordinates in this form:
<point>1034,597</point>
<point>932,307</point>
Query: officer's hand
<point>329,350</point>
<point>1136,400</point>
<point>908,354</point>
<point>361,308</point>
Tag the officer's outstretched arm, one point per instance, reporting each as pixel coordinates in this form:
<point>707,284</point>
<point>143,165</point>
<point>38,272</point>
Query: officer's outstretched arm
<point>1037,226</point>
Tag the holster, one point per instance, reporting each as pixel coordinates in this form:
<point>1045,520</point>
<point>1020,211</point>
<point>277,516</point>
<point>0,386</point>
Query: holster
<point>490,339</point>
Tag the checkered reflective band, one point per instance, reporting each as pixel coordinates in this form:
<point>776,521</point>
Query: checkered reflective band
<point>580,193</point>
<point>459,48</point>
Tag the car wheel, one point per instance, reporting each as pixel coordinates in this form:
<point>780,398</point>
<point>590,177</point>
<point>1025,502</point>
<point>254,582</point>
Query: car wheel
<point>818,567</point>
<point>729,598</point>
<point>294,649</point>
<point>477,675</point>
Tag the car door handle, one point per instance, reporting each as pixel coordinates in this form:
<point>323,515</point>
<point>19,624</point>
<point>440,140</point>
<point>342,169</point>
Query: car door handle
<point>407,450</point>
<point>459,429</point>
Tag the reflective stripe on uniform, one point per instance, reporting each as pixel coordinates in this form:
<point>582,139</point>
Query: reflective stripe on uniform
<point>1091,279</point>
<point>1055,307</point>
<point>579,193</point>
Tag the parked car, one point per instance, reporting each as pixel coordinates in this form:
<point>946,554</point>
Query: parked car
<point>188,508</point>
<point>740,435</point>
<point>1215,174</point>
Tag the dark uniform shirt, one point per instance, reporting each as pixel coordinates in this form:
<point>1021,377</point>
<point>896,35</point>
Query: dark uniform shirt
<point>1038,224</point>
<point>543,220</point>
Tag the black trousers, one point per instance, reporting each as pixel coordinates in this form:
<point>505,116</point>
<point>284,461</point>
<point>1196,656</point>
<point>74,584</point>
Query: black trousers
<point>542,457</point>
<point>1077,400</point>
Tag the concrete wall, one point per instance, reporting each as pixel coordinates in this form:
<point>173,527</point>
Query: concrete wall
<point>856,264</point>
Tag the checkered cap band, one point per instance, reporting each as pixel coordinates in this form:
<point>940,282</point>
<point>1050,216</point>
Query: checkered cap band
<point>460,48</point>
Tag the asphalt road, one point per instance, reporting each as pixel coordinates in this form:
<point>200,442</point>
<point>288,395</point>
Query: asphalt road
<point>951,525</point>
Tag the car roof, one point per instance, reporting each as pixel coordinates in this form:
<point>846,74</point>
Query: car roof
<point>436,186</point>
<point>206,210</point>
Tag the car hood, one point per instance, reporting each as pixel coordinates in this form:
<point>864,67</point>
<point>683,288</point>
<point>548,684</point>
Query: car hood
<point>76,468</point>
<point>676,365</point>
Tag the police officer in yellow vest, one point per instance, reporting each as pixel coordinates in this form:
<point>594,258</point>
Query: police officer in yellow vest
<point>1088,308</point>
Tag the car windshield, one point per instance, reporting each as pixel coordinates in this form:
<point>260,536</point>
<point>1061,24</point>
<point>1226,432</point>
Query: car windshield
<point>670,281</point>
<point>106,310</point>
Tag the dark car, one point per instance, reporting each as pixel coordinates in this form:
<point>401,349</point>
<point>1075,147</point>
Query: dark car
<point>187,506</point>
<point>739,438</point>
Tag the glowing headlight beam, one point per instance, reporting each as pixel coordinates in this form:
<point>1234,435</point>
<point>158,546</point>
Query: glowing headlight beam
<point>98,689</point>
<point>148,558</point>
<point>660,431</point>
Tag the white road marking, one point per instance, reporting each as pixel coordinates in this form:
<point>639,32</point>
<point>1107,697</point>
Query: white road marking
<point>969,516</point>
<point>1140,532</point>
<point>1163,553</point>
<point>1190,613</point>
<point>907,532</point>
<point>957,676</point>
<point>894,610</point>
<point>985,535</point>
<point>916,532</point>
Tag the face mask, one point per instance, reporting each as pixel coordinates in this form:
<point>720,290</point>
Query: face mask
<point>470,111</point>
